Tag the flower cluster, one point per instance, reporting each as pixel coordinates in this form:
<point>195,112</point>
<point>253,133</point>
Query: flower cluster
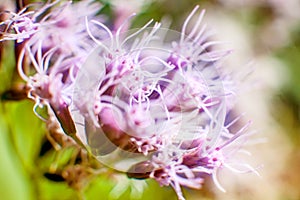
<point>150,102</point>
<point>53,44</point>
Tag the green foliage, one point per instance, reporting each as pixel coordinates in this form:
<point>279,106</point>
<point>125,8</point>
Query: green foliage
<point>15,182</point>
<point>7,65</point>
<point>290,56</point>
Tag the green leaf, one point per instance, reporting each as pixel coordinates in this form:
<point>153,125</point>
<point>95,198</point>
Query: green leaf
<point>7,65</point>
<point>14,182</point>
<point>49,190</point>
<point>26,131</point>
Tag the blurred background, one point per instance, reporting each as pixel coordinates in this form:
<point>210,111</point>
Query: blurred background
<point>265,37</point>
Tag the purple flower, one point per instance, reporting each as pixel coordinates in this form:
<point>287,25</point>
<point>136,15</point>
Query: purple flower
<point>54,44</point>
<point>159,101</point>
<point>151,98</point>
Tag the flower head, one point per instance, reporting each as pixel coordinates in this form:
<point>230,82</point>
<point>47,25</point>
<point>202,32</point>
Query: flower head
<point>138,97</point>
<point>54,43</point>
<point>159,102</point>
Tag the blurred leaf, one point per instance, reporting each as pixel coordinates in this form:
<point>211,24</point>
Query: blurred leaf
<point>26,131</point>
<point>14,182</point>
<point>177,10</point>
<point>99,188</point>
<point>50,190</point>
<point>57,159</point>
<point>102,186</point>
<point>287,113</point>
<point>291,56</point>
<point>7,66</point>
<point>154,191</point>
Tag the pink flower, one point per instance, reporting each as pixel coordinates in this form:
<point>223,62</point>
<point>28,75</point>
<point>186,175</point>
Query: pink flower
<point>55,43</point>
<point>160,103</point>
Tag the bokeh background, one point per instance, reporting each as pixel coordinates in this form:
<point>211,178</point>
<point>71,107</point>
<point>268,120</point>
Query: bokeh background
<point>265,36</point>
